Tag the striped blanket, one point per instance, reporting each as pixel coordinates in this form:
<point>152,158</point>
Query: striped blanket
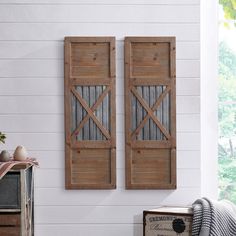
<point>213,218</point>
<point>6,166</point>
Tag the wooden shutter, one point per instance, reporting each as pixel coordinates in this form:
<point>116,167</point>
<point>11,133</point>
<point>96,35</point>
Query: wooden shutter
<point>150,112</point>
<point>90,112</point>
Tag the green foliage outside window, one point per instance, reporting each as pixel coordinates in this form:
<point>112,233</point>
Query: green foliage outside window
<point>227,110</point>
<point>2,137</point>
<point>227,123</point>
<point>229,7</point>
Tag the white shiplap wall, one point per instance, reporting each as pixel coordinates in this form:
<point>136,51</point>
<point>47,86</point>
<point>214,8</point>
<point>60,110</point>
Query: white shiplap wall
<point>31,105</point>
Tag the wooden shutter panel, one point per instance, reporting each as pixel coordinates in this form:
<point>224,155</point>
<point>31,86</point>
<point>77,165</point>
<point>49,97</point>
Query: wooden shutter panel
<point>150,112</point>
<point>90,112</point>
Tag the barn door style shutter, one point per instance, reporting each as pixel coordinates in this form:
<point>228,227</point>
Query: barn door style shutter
<point>90,112</point>
<point>150,112</point>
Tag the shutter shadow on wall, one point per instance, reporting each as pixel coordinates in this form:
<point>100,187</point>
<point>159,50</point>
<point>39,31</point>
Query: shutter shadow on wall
<point>150,112</point>
<point>90,145</point>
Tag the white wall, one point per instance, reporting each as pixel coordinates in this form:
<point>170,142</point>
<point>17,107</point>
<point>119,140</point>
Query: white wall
<point>31,105</point>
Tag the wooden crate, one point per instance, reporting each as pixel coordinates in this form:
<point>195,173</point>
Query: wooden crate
<point>168,221</point>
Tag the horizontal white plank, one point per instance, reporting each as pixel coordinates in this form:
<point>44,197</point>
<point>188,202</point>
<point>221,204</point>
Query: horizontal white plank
<point>188,178</point>
<point>99,13</point>
<point>32,104</point>
<point>55,50</point>
<point>40,141</point>
<point>55,68</point>
<point>56,159</point>
<point>188,69</point>
<point>42,123</point>
<point>57,31</point>
<point>96,2</point>
<point>89,214</point>
<point>32,49</point>
<point>31,68</point>
<point>55,141</point>
<point>55,104</point>
<point>55,86</point>
<point>33,123</point>
<point>188,87</point>
<point>118,197</point>
<point>91,229</point>
<point>54,178</point>
<point>188,123</point>
<point>188,159</point>
<point>188,141</point>
<point>39,86</point>
<point>188,104</point>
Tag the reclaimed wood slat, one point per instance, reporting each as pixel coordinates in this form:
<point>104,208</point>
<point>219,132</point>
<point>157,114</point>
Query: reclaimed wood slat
<point>98,112</point>
<point>90,81</point>
<point>105,111</point>
<point>152,125</point>
<point>146,96</point>
<point>139,113</point>
<point>150,89</point>
<point>92,126</point>
<point>79,114</point>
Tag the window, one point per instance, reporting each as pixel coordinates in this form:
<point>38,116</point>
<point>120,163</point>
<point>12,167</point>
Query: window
<point>227,101</point>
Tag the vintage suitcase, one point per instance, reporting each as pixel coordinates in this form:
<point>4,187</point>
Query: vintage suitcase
<point>168,221</point>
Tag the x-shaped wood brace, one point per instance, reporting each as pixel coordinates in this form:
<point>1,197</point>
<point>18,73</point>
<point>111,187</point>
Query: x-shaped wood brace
<point>150,112</point>
<point>90,112</point>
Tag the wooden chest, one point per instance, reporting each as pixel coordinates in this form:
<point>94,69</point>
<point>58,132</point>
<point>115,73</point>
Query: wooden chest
<point>168,221</point>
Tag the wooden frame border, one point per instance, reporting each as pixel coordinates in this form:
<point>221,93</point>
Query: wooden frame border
<point>130,81</point>
<point>70,81</point>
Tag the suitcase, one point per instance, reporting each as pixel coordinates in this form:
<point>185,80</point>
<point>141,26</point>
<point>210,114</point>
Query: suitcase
<point>168,221</point>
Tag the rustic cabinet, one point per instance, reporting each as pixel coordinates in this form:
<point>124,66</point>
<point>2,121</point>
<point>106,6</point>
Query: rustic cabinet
<point>16,202</point>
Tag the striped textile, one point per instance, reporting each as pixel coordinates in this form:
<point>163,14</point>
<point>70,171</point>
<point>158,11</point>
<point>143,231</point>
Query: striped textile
<point>213,218</point>
<point>6,166</point>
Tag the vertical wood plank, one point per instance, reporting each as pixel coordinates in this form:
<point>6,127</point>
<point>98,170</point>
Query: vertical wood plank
<point>99,112</point>
<point>139,114</point>
<point>133,112</point>
<point>165,111</point>
<point>128,122</point>
<point>153,127</point>
<point>73,113</point>
<point>147,100</point>
<point>159,112</point>
<point>86,126</point>
<point>105,111</point>
<point>79,116</point>
<point>112,112</point>
<point>67,107</point>
<point>92,126</point>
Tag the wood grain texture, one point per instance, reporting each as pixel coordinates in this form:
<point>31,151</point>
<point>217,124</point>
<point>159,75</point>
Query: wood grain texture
<point>90,112</point>
<point>150,100</point>
<point>32,103</point>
